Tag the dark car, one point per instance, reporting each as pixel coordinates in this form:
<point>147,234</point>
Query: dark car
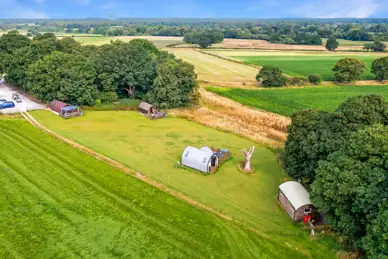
<point>18,100</point>
<point>7,104</point>
<point>15,96</point>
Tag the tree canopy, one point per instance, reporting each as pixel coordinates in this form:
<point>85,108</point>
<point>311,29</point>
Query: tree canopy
<point>204,38</point>
<point>380,68</point>
<point>348,69</point>
<point>332,44</point>
<point>351,186</point>
<point>271,77</point>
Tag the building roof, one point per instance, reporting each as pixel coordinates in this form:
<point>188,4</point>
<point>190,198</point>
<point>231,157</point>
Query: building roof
<point>56,105</point>
<point>69,108</point>
<point>197,158</point>
<point>145,106</point>
<point>296,194</point>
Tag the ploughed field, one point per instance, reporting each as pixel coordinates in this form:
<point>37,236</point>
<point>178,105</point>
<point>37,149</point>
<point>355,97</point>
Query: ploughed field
<point>153,147</point>
<point>286,101</point>
<point>57,202</point>
<point>304,65</point>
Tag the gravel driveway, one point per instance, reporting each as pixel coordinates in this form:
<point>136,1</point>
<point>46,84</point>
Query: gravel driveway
<point>26,105</point>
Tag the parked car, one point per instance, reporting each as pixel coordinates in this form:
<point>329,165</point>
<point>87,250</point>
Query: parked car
<point>7,104</point>
<point>15,96</point>
<point>2,100</point>
<point>18,100</point>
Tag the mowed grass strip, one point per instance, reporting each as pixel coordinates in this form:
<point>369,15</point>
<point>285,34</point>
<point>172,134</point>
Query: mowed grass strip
<point>153,147</point>
<point>286,101</point>
<point>57,202</point>
<point>214,69</point>
<point>304,65</point>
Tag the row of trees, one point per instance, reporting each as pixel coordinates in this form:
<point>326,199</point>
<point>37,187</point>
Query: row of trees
<point>341,157</point>
<point>49,68</point>
<point>282,31</point>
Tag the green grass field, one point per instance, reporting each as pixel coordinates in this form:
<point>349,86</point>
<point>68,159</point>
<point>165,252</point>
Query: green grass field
<point>57,202</point>
<point>286,101</point>
<point>153,147</point>
<point>304,65</point>
<point>343,42</point>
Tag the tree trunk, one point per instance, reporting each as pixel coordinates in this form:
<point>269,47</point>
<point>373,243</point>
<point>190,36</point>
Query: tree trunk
<point>130,90</point>
<point>248,157</point>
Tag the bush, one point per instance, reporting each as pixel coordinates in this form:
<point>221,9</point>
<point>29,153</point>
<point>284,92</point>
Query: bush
<point>380,68</point>
<point>271,77</point>
<point>348,69</point>
<point>297,81</point>
<point>315,79</point>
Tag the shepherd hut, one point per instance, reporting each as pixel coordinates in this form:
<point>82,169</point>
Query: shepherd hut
<point>203,159</point>
<point>64,110</point>
<point>150,111</point>
<point>295,200</point>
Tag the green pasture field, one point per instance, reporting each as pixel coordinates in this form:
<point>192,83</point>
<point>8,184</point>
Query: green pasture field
<point>286,101</point>
<point>57,202</point>
<point>304,65</point>
<point>343,42</point>
<point>153,147</point>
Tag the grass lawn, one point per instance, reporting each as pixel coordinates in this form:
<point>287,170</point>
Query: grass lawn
<point>57,202</point>
<point>153,147</point>
<point>122,104</point>
<point>286,101</point>
<point>304,65</point>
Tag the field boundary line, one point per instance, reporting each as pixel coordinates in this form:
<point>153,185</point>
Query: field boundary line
<point>139,176</point>
<point>228,59</point>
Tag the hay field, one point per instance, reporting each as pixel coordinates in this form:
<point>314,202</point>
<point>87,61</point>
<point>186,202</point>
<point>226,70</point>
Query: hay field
<point>286,101</point>
<point>57,202</point>
<point>263,44</point>
<point>159,41</point>
<point>216,70</point>
<point>152,147</point>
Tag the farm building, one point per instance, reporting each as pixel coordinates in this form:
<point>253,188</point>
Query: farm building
<point>64,110</point>
<point>295,200</point>
<point>203,159</point>
<point>150,111</point>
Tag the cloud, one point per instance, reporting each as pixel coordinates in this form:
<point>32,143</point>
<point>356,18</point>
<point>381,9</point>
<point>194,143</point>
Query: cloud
<point>14,9</point>
<point>338,9</point>
<point>316,8</point>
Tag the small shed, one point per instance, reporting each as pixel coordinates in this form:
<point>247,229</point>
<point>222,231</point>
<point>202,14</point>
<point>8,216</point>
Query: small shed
<point>203,159</point>
<point>64,110</point>
<point>295,200</point>
<point>150,111</point>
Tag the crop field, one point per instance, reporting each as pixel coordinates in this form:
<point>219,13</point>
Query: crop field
<point>57,202</point>
<point>214,69</point>
<point>286,101</point>
<point>159,41</point>
<point>343,42</point>
<point>304,65</point>
<point>153,149</point>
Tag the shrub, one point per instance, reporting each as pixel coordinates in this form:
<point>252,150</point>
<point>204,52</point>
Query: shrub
<point>348,69</point>
<point>380,68</point>
<point>315,79</point>
<point>297,81</point>
<point>271,76</point>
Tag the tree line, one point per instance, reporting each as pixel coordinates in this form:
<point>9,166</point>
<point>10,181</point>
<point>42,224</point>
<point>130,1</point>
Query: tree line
<point>49,68</point>
<point>289,31</point>
<point>341,157</point>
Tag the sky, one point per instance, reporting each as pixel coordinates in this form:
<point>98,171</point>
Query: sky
<point>55,9</point>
